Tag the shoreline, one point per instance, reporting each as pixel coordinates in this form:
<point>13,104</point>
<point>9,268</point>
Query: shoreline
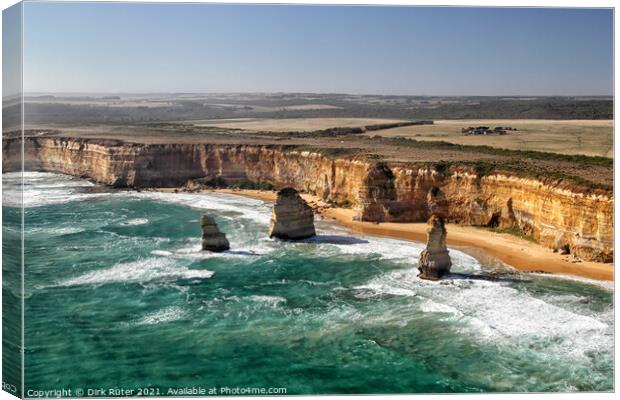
<point>519,253</point>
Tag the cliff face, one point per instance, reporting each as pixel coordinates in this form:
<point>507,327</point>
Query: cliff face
<point>557,217</point>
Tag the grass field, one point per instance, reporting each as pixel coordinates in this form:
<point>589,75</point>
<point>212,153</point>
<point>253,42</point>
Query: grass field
<point>587,137</point>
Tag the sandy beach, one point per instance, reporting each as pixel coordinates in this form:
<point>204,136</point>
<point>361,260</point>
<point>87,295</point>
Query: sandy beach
<point>481,243</point>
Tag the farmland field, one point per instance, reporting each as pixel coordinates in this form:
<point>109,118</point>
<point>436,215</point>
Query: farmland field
<point>588,137</point>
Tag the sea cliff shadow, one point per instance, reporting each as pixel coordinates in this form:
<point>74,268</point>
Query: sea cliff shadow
<point>243,253</point>
<point>491,277</point>
<point>335,239</point>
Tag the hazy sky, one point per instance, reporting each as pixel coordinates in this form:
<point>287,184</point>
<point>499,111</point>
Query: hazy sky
<point>88,47</point>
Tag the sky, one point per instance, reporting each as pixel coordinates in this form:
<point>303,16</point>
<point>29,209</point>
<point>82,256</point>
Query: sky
<point>11,51</point>
<point>137,48</point>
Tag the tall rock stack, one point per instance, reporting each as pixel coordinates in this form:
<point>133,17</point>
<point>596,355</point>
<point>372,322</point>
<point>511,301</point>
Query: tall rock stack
<point>435,260</point>
<point>292,218</point>
<point>212,238</point>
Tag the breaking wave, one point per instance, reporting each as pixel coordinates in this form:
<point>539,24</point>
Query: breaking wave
<point>255,210</point>
<point>138,271</point>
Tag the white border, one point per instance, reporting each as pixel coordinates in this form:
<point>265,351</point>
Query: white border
<point>480,3</point>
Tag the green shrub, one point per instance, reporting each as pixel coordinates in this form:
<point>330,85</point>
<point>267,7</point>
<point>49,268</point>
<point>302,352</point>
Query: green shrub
<point>441,166</point>
<point>217,182</point>
<point>250,185</point>
<point>483,168</point>
<point>343,204</point>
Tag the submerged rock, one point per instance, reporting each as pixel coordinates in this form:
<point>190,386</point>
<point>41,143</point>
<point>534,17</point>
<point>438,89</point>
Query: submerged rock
<point>212,238</point>
<point>435,260</point>
<point>292,218</point>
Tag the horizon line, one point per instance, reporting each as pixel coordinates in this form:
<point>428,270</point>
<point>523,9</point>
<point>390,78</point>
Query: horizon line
<point>30,93</point>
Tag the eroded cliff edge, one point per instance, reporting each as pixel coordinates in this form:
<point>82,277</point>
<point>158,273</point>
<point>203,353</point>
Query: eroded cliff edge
<point>556,215</point>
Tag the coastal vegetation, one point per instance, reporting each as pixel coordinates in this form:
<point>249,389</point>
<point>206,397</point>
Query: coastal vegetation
<point>538,155</point>
<point>220,183</point>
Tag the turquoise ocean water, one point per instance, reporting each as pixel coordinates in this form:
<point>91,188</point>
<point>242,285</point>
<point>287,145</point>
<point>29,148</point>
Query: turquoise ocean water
<point>119,295</point>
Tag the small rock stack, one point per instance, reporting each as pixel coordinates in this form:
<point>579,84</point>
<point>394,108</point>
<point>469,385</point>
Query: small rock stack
<point>435,260</point>
<point>212,238</point>
<point>292,218</point>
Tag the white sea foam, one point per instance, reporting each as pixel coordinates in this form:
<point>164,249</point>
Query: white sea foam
<point>495,311</point>
<point>379,289</point>
<point>256,210</point>
<point>239,249</point>
<point>138,271</point>
<point>196,252</point>
<point>65,230</point>
<point>44,188</point>
<point>385,248</point>
<point>53,231</point>
<point>430,306</point>
<point>135,221</point>
<point>515,314</point>
<point>270,301</point>
<point>167,314</point>
<point>164,253</point>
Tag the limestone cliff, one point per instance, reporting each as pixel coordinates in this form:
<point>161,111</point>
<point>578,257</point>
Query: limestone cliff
<point>292,218</point>
<point>435,260</point>
<point>559,217</point>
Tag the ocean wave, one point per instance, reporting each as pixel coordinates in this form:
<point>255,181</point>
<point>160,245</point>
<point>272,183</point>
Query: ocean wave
<point>495,311</point>
<point>53,231</point>
<point>515,314</point>
<point>430,306</point>
<point>68,230</point>
<point>270,301</point>
<point>138,271</point>
<point>373,290</point>
<point>385,248</point>
<point>44,188</point>
<point>167,314</point>
<point>255,210</point>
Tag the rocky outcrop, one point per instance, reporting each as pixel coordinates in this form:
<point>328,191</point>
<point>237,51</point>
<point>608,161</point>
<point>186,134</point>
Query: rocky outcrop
<point>557,216</point>
<point>212,238</point>
<point>291,218</point>
<point>435,260</point>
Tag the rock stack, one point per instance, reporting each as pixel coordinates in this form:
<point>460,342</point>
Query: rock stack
<point>435,260</point>
<point>292,218</point>
<point>212,238</point>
